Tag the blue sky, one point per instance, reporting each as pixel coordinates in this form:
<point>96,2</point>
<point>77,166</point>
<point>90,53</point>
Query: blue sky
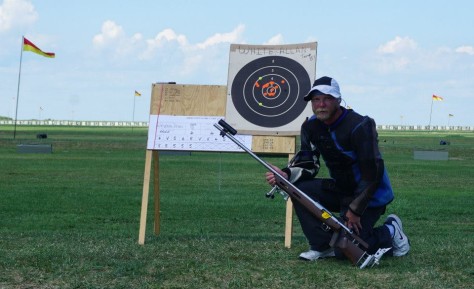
<point>389,57</point>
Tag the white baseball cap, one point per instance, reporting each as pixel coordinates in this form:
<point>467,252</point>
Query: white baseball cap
<point>324,85</point>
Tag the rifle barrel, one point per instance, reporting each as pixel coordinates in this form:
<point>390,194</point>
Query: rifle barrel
<point>286,185</point>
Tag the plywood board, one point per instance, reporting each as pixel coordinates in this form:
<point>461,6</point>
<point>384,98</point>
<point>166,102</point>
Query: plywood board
<point>273,144</point>
<point>189,100</point>
<point>183,110</point>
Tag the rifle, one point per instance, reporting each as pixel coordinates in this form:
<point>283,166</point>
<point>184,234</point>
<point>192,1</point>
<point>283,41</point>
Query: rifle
<point>353,247</point>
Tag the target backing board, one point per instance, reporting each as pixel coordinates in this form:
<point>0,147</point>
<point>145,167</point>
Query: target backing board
<point>266,85</point>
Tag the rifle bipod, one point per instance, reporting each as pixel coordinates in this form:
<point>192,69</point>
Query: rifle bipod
<point>271,194</point>
<point>371,260</point>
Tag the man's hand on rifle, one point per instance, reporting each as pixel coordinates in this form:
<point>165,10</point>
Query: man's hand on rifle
<point>270,177</point>
<point>353,222</point>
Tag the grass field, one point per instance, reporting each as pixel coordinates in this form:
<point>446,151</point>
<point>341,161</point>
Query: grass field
<point>70,219</point>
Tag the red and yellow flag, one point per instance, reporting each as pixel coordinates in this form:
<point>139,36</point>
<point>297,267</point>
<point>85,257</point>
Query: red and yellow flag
<point>29,46</point>
<point>438,98</point>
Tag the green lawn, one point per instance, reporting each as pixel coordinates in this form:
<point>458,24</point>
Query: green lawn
<point>70,219</point>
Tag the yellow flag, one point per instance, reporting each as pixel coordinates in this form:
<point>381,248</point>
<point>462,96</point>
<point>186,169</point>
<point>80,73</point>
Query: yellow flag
<point>438,98</point>
<point>137,93</point>
<point>29,46</point>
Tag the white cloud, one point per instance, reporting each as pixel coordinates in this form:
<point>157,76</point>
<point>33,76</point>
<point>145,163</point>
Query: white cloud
<point>398,45</point>
<point>110,32</point>
<point>136,38</point>
<point>398,54</point>
<point>170,50</point>
<point>402,54</point>
<point>231,37</point>
<point>275,40</point>
<point>162,39</point>
<point>168,35</point>
<point>181,58</point>
<point>113,38</point>
<point>465,49</point>
<point>16,13</point>
<point>191,64</point>
<point>209,55</point>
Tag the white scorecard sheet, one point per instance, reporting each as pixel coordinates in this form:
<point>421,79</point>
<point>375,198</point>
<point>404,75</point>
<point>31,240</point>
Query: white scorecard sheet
<point>190,133</point>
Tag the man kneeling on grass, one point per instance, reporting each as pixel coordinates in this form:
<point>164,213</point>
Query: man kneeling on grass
<point>358,187</point>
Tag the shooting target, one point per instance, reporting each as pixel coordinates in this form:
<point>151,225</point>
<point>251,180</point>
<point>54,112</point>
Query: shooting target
<point>266,86</point>
<point>269,91</point>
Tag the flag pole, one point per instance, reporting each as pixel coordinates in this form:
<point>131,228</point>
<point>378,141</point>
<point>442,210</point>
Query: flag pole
<point>431,112</point>
<point>18,87</point>
<point>133,114</point>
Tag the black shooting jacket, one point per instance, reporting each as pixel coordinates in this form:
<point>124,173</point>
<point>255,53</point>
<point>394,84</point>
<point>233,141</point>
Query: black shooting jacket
<point>349,148</point>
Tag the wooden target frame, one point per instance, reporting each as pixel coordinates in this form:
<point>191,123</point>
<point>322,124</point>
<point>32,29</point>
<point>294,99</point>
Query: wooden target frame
<point>263,99</point>
<point>189,103</point>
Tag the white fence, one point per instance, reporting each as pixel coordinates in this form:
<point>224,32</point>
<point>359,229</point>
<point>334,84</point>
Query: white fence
<point>145,124</point>
<point>424,127</point>
<point>75,123</point>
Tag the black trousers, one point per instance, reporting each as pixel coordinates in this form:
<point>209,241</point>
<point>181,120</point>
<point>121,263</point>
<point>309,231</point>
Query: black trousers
<point>325,192</point>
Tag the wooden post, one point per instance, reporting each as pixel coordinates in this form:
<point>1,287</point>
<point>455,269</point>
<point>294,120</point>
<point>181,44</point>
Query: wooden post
<point>289,218</point>
<point>146,190</point>
<point>288,223</point>
<point>156,191</point>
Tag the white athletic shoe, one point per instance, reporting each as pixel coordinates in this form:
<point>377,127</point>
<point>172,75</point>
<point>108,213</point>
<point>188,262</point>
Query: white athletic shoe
<point>312,255</point>
<point>400,242</point>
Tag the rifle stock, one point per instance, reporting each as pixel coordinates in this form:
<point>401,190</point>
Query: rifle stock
<point>343,238</point>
